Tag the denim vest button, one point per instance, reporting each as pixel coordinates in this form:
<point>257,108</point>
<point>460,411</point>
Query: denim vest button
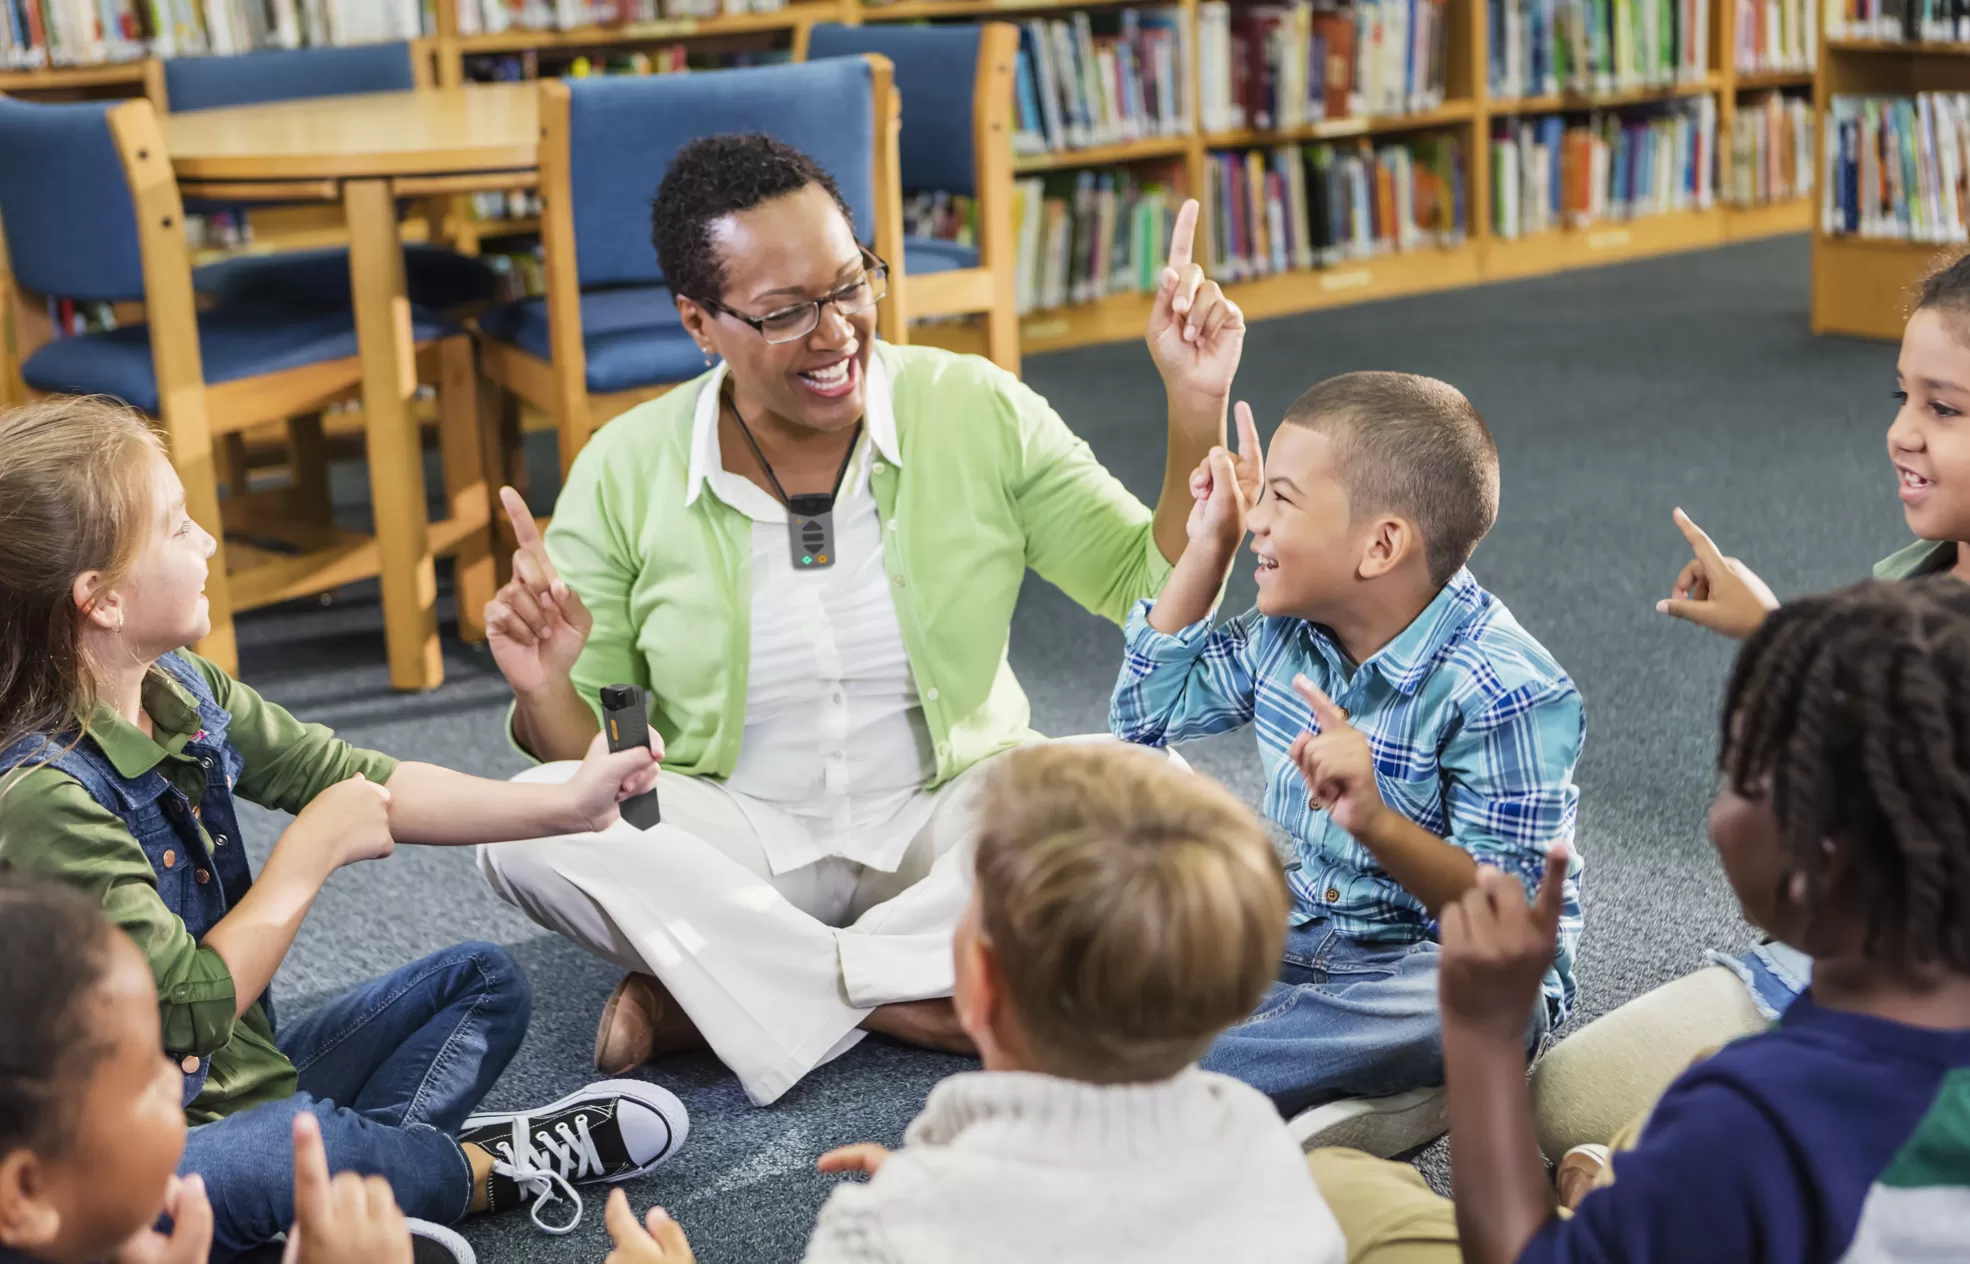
<point>170,858</point>
<point>204,876</point>
<point>219,840</point>
<point>206,763</point>
<point>190,1065</point>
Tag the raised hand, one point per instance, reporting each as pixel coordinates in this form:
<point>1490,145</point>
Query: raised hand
<point>658,1240</point>
<point>1718,592</point>
<point>1497,949</point>
<point>865,1157</point>
<point>1196,334</point>
<point>349,1219</point>
<point>350,819</point>
<point>605,779</point>
<point>191,1229</point>
<point>535,624</point>
<point>1225,486</point>
<point>1337,763</point>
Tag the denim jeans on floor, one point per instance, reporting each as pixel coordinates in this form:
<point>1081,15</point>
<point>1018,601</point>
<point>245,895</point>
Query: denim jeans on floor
<point>391,1070</point>
<point>1345,1019</point>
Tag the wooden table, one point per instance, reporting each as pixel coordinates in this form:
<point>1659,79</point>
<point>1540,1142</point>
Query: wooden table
<point>366,152</point>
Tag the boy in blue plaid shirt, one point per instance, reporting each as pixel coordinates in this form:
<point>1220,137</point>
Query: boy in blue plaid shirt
<point>1410,731</point>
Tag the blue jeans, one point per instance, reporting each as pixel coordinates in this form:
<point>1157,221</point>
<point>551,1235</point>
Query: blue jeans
<point>391,1070</point>
<point>1345,1019</point>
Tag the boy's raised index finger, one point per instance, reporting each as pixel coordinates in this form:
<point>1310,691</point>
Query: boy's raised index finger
<point>1325,709</point>
<point>1183,235</point>
<point>1551,899</point>
<point>1248,432</point>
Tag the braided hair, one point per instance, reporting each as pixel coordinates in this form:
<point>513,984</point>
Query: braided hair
<point>1853,710</point>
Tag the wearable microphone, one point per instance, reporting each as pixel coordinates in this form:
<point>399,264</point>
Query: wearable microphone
<point>626,721</point>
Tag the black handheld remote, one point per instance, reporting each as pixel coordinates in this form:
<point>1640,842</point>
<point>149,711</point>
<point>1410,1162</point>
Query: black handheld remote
<point>627,722</point>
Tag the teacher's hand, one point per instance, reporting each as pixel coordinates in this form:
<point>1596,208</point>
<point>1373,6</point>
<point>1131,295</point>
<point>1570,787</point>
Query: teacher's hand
<point>1196,334</point>
<point>535,624</point>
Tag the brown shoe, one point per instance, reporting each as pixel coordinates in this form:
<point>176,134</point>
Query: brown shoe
<point>1580,1172</point>
<point>641,1021</point>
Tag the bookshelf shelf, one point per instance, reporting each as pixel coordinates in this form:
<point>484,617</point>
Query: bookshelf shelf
<point>1748,223</point>
<point>1566,101</point>
<point>1448,114</point>
<point>1918,48</point>
<point>1106,155</point>
<point>919,10</point>
<point>104,75</point>
<point>652,32</point>
<point>1749,80</point>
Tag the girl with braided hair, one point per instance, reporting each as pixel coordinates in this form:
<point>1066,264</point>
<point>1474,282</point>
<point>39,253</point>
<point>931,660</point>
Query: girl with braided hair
<point>1843,1132</point>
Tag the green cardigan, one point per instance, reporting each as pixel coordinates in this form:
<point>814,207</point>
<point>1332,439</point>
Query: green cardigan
<point>991,482</point>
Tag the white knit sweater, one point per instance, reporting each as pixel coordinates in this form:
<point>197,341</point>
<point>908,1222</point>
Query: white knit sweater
<point>1011,1166</point>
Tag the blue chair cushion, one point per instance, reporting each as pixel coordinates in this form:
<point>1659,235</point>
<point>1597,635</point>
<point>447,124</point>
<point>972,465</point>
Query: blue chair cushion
<point>204,83</point>
<point>234,343</point>
<point>922,255</point>
<point>632,335</point>
<point>316,279</point>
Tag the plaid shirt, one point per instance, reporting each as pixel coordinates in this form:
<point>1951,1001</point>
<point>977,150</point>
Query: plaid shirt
<point>1474,727</point>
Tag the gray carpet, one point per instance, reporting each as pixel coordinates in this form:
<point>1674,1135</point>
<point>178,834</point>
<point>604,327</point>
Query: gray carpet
<point>1615,395</point>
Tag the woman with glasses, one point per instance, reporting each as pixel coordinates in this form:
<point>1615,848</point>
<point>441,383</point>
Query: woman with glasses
<point>808,559</point>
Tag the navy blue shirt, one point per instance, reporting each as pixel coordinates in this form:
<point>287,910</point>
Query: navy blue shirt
<point>1832,1136</point>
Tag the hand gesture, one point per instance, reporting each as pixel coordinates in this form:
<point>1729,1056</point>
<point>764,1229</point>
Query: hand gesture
<point>1338,766</point>
<point>604,780</point>
<point>1497,949</point>
<point>191,1228</point>
<point>535,624</point>
<point>866,1157</point>
<point>1226,486</point>
<point>348,1220</point>
<point>1716,591</point>
<point>658,1240</point>
<point>351,819</point>
<point>1196,334</point>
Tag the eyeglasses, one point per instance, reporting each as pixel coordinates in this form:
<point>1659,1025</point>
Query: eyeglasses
<point>798,321</point>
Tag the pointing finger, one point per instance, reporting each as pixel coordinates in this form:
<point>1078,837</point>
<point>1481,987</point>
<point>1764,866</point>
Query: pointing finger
<point>1183,236</point>
<point>1248,434</point>
<point>1325,710</point>
<point>526,532</point>
<point>1699,540</point>
<point>1552,890</point>
<point>311,1183</point>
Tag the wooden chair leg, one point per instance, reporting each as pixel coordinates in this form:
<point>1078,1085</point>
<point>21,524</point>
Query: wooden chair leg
<point>189,437</point>
<point>232,456</point>
<point>1002,337</point>
<point>468,490</point>
<point>307,465</point>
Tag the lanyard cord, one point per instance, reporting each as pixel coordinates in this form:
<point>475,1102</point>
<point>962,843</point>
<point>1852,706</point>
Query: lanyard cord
<point>753,443</point>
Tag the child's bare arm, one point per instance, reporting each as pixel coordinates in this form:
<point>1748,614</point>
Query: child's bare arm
<point>1223,488</point>
<point>430,804</point>
<point>1496,951</point>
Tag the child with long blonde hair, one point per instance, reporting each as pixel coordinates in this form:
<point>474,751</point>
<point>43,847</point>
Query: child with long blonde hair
<point>121,754</point>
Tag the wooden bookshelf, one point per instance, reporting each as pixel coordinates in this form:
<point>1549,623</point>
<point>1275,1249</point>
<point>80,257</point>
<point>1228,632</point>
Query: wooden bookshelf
<point>1864,286</point>
<point>1759,80</point>
<point>73,78</point>
<point>667,31</point>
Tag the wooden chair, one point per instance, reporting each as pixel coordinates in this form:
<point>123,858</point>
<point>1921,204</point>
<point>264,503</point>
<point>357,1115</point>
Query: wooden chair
<point>607,336</point>
<point>956,83</point>
<point>91,211</point>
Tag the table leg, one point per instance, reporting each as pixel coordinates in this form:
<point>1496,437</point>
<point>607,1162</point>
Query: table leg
<point>396,458</point>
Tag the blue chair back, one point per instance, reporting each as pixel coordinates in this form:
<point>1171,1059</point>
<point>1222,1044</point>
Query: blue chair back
<point>206,83</point>
<point>71,227</point>
<point>624,131</point>
<point>937,77</point>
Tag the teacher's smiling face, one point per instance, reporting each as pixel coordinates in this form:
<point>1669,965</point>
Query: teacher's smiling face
<point>775,261</point>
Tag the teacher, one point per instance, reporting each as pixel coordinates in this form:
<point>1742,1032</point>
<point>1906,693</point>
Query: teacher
<point>821,685</point>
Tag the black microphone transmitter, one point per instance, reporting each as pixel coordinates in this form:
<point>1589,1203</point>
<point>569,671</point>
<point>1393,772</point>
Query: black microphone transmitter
<point>627,722</point>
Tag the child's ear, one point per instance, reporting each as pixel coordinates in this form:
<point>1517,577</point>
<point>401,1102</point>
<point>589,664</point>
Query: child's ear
<point>27,1220</point>
<point>1390,542</point>
<point>100,605</point>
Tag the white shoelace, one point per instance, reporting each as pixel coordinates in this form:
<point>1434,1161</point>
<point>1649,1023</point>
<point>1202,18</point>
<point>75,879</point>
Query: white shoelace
<point>526,1165</point>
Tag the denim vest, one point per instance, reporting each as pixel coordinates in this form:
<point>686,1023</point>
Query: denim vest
<point>196,883</point>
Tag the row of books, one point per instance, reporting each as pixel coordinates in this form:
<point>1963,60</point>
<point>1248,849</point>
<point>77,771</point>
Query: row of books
<point>1280,66</point>
<point>1102,77</point>
<point>1542,47</point>
<point>670,59</point>
<point>40,33</point>
<point>941,216</point>
<point>1777,34</point>
<point>491,17</point>
<point>1089,235</point>
<point>1291,207</point>
<point>1771,153</point>
<point>1548,173</point>
<point>1896,166</point>
<point>1943,20</point>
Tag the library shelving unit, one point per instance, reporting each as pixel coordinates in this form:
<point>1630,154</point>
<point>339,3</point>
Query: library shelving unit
<point>1863,285</point>
<point>1467,113</point>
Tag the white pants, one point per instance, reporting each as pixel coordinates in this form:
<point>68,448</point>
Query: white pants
<point>777,973</point>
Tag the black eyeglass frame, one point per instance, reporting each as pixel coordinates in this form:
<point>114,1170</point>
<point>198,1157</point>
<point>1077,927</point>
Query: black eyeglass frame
<point>874,269</point>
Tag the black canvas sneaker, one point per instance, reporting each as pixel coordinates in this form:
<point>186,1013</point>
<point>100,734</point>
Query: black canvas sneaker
<point>610,1131</point>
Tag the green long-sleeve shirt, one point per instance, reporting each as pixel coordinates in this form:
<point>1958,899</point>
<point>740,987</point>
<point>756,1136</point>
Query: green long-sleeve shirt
<point>990,482</point>
<point>50,825</point>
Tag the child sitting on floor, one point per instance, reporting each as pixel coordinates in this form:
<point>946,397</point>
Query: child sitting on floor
<point>1432,730</point>
<point>120,758</point>
<point>1123,913</point>
<point>1843,1133</point>
<point>90,1120</point>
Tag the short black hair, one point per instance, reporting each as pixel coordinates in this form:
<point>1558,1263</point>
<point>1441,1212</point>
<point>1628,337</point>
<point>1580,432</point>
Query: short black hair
<point>1852,711</point>
<point>54,954</point>
<point>1947,288</point>
<point>716,176</point>
<point>1410,445</point>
